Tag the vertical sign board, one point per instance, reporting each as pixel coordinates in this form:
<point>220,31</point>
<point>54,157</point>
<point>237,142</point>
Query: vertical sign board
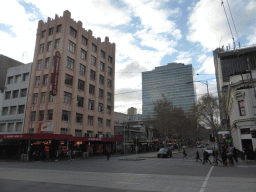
<point>56,73</point>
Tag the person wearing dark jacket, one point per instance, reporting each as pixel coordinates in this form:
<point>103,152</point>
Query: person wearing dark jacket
<point>206,157</point>
<point>184,154</point>
<point>224,156</point>
<point>197,156</point>
<point>108,155</point>
<point>235,154</point>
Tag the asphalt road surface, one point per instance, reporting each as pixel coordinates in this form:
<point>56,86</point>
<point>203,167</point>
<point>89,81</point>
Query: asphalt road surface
<point>124,174</point>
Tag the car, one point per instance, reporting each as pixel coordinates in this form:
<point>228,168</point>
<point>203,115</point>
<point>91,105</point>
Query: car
<point>164,152</point>
<point>200,146</point>
<point>209,150</point>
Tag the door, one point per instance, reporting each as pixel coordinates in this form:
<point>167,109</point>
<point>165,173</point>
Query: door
<point>247,145</point>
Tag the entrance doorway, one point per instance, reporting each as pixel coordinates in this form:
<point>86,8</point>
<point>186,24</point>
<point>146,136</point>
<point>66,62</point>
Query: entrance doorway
<point>247,145</point>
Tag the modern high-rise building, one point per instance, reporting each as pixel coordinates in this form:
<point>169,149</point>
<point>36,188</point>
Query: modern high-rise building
<point>230,62</point>
<point>175,81</point>
<point>72,81</point>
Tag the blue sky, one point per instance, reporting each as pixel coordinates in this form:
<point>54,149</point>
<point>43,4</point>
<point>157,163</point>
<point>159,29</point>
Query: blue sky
<point>147,33</point>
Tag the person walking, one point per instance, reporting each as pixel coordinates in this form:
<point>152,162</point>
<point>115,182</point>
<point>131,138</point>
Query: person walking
<point>230,156</point>
<point>235,154</point>
<point>216,155</point>
<point>206,157</point>
<point>224,156</point>
<point>108,155</point>
<point>198,156</point>
<point>184,154</point>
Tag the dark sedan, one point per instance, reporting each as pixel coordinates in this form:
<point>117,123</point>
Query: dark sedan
<point>164,152</point>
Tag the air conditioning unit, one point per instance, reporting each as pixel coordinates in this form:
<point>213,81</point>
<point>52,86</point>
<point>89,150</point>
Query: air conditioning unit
<point>100,135</point>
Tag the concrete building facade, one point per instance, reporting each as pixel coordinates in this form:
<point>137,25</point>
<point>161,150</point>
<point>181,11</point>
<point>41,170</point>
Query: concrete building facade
<point>132,111</point>
<point>72,81</point>
<point>14,99</point>
<point>175,81</point>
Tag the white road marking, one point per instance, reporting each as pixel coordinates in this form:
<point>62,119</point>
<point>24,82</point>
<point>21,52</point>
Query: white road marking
<point>206,180</point>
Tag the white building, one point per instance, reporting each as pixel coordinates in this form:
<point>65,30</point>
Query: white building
<point>241,109</point>
<point>15,96</point>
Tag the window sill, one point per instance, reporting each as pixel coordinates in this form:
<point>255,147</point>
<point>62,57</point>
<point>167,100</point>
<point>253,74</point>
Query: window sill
<point>80,90</point>
<point>70,68</point>
<point>70,86</point>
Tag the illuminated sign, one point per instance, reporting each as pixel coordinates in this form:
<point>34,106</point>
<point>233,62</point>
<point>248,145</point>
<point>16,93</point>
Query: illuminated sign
<point>56,73</point>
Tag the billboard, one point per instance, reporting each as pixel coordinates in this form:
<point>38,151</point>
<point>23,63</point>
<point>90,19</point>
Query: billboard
<point>56,73</point>
<point>46,127</point>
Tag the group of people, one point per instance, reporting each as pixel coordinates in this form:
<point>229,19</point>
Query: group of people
<point>227,154</point>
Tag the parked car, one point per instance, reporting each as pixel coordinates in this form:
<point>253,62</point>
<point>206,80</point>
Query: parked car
<point>164,152</point>
<point>209,150</point>
<point>200,146</point>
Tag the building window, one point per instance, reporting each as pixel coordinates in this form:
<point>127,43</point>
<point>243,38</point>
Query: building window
<point>68,79</point>
<point>10,80</point>
<point>78,133</point>
<point>100,107</point>
<point>63,131</point>
<point>49,46</point>
<point>80,85</point>
<point>70,63</point>
<point>21,109</point>
<point>37,81</point>
<point>245,131</point>
<point>100,121</point>
<point>102,79</point>
<point>83,54</point>
<point>64,115</point>
<point>79,118</point>
<point>43,33</point>
<point>41,48</point>
<point>18,126</point>
<point>51,30</point>
<point>13,110</point>
<point>10,127</point>
<point>57,43</point>
<point>102,53</point>
<point>8,95</point>
<point>5,111</point>
<point>91,89</point>
<point>82,69</point>
<point>94,47</point>
<point>33,115</point>
<point>84,40</point>
<point>41,115</point>
<point>45,80</point>
<point>80,101</point>
<point>43,97</point>
<point>23,92</point>
<point>47,62</point>
<point>31,130</point>
<point>241,108</point>
<point>35,98</point>
<point>2,127</point>
<point>109,59</point>
<point>59,28</point>
<point>108,97</point>
<point>17,78</point>
<point>67,97</point>
<point>108,109</point>
<point>91,104</point>
<point>109,83</point>
<point>39,66</point>
<point>92,75</point>
<point>101,93</point>
<point>52,78</point>
<point>101,66</point>
<point>109,71</point>
<point>93,60</point>
<point>51,97</point>
<point>50,114</point>
<point>108,123</point>
<point>73,32</point>
<point>71,46</point>
<point>90,120</point>
<point>15,94</point>
<point>25,76</point>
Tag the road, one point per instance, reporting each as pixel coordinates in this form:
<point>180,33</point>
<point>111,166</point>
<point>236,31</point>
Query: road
<point>118,174</point>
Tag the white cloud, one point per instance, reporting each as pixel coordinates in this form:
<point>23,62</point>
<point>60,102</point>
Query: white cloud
<point>208,23</point>
<point>252,38</point>
<point>201,58</point>
<point>184,57</point>
<point>208,66</point>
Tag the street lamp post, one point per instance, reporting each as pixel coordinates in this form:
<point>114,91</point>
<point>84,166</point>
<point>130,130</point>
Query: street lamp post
<point>69,153</point>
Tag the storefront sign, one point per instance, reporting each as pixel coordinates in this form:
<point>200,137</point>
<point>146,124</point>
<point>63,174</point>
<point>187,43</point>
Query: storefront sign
<point>12,136</point>
<point>56,73</point>
<point>46,128</point>
<point>94,139</point>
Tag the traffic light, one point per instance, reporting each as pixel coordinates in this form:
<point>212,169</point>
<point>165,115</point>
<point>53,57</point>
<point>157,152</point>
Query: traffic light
<point>253,133</point>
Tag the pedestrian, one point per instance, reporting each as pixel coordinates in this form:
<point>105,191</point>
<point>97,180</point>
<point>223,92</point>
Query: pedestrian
<point>197,156</point>
<point>255,154</point>
<point>235,154</point>
<point>184,154</point>
<point>224,157</point>
<point>206,157</point>
<point>217,156</point>
<point>230,156</point>
<point>57,155</point>
<point>90,152</point>
<point>108,155</point>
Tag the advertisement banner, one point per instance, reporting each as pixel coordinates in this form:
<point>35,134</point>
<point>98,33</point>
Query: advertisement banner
<point>46,127</point>
<point>56,73</point>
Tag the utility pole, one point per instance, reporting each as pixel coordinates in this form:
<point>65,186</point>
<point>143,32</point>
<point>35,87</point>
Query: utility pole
<point>68,130</point>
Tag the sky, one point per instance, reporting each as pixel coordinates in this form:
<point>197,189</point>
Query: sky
<point>147,34</point>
